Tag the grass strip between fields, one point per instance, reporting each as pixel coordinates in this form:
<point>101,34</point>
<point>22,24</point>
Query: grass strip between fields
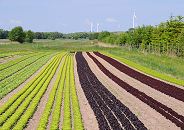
<point>146,70</point>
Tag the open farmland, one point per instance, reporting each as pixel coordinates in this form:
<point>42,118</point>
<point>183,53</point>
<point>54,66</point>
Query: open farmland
<point>51,87</point>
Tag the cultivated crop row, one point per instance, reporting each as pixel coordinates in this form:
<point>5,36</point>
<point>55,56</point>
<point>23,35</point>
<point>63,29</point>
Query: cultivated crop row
<point>162,109</point>
<point>18,110</point>
<point>14,80</point>
<point>21,65</point>
<point>109,111</point>
<point>5,54</point>
<point>16,61</point>
<point>67,108</point>
<point>163,87</point>
<point>54,96</point>
<point>63,91</point>
<point>77,119</point>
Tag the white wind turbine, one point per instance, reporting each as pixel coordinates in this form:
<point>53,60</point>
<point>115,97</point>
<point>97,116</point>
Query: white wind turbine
<point>97,27</point>
<point>91,26</point>
<point>134,17</point>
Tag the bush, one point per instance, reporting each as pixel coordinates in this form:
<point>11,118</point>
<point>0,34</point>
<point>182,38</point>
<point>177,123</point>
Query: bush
<point>29,36</point>
<point>17,34</point>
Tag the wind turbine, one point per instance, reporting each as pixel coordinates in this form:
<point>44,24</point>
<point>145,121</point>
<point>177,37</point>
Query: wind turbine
<point>91,26</point>
<point>134,17</point>
<point>97,27</point>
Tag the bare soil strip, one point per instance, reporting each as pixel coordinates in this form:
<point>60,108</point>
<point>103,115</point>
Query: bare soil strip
<point>170,102</point>
<point>148,116</point>
<point>101,99</point>
<point>164,110</point>
<point>34,121</point>
<point>163,87</point>
<point>9,95</point>
<point>88,116</point>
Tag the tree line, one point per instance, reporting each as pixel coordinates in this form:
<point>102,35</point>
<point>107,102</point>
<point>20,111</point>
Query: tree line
<point>21,36</point>
<point>165,38</point>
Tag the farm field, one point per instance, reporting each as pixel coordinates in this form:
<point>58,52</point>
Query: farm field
<point>77,85</point>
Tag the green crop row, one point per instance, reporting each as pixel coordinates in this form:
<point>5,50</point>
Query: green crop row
<point>27,87</point>
<point>58,101</point>
<point>67,113</point>
<point>13,81</point>
<point>13,69</point>
<point>10,107</point>
<point>52,96</point>
<point>29,104</point>
<point>70,102</point>
<point>77,118</point>
<point>34,103</point>
<point>11,54</point>
<point>16,61</point>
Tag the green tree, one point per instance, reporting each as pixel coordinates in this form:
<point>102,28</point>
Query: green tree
<point>17,34</point>
<point>3,34</point>
<point>180,48</point>
<point>103,35</point>
<point>29,36</point>
<point>93,36</point>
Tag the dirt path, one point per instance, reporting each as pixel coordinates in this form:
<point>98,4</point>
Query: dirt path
<point>9,95</point>
<point>171,102</point>
<point>88,116</point>
<point>151,119</point>
<point>34,121</point>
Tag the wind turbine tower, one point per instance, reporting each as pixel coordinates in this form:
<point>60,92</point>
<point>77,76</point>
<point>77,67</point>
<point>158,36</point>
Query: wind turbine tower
<point>134,17</point>
<point>91,27</point>
<point>98,27</point>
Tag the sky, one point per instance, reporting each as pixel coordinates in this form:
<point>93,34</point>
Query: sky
<point>77,15</point>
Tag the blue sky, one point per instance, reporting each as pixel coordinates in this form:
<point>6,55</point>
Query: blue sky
<point>76,15</point>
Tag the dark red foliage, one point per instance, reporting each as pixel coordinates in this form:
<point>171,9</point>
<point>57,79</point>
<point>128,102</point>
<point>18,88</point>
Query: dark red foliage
<point>159,107</point>
<point>106,106</point>
<point>163,87</point>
